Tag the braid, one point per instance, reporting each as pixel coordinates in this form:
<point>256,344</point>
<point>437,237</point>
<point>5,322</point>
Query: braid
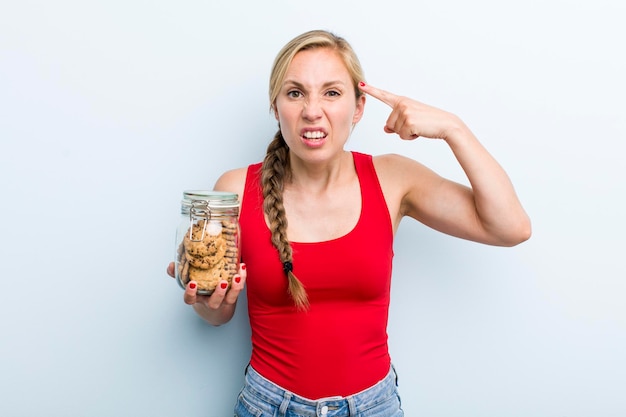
<point>274,173</point>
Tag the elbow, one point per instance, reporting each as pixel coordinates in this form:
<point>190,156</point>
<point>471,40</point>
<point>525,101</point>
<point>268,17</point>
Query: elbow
<point>518,234</point>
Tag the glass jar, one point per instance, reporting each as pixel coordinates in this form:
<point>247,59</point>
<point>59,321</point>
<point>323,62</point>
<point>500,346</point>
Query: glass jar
<point>207,239</point>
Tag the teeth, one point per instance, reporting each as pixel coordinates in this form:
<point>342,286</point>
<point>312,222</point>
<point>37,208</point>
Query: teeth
<point>314,135</point>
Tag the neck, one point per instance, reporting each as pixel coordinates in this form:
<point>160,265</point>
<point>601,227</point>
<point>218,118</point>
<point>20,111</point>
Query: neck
<point>319,176</point>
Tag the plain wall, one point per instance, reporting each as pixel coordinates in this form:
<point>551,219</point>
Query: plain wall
<point>109,110</point>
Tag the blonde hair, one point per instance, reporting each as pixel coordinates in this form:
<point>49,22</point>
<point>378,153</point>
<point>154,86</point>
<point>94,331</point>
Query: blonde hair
<point>276,169</point>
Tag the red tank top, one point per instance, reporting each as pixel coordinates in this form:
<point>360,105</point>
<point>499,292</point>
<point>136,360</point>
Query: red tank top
<point>338,346</point>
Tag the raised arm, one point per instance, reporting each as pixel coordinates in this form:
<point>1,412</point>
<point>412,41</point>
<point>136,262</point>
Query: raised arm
<point>489,212</point>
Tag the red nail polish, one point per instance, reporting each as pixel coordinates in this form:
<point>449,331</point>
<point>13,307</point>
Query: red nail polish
<point>223,285</point>
<point>192,286</point>
<point>362,84</point>
<point>243,267</point>
<point>237,280</point>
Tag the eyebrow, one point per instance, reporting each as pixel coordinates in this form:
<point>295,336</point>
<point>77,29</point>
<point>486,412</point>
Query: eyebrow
<point>301,86</point>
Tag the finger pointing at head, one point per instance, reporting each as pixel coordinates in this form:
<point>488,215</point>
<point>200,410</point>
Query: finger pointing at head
<point>389,99</point>
<point>385,96</point>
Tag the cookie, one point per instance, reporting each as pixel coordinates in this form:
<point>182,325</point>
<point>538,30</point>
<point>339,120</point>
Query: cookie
<point>207,279</point>
<point>209,253</point>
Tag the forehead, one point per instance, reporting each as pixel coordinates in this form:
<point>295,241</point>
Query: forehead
<point>319,64</point>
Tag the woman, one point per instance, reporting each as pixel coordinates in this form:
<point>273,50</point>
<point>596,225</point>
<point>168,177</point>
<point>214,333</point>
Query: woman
<point>317,227</point>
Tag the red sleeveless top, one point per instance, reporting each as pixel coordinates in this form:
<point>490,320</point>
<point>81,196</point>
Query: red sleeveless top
<point>339,345</point>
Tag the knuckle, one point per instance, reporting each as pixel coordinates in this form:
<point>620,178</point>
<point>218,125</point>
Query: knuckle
<point>215,304</point>
<point>215,301</point>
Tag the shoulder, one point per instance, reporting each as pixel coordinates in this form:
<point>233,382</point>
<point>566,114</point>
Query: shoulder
<point>233,181</point>
<point>398,169</point>
<point>389,159</point>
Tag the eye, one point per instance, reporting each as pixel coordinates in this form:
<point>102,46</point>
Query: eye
<point>333,93</point>
<point>294,94</point>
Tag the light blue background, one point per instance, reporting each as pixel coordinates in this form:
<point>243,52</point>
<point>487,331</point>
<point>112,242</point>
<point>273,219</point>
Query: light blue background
<point>108,110</point>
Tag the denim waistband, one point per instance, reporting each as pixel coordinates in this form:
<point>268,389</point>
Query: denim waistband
<point>351,405</point>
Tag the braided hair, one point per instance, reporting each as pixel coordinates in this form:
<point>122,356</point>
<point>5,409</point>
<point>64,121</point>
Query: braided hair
<point>273,175</point>
<point>276,168</point>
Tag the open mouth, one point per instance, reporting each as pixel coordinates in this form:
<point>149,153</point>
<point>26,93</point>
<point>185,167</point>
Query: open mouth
<point>314,135</point>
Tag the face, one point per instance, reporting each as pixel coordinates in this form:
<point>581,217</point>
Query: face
<point>316,106</point>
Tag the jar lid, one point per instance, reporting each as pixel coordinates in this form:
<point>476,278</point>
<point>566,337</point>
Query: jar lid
<point>214,199</point>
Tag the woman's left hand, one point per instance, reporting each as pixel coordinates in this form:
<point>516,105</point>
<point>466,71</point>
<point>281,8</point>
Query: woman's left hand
<point>411,119</point>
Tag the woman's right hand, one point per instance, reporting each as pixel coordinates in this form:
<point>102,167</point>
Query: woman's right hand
<point>219,307</point>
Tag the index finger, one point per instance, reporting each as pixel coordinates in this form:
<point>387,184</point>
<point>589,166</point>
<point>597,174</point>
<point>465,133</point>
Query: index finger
<point>382,95</point>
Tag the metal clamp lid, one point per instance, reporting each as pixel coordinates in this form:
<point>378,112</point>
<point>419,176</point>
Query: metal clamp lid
<point>199,210</point>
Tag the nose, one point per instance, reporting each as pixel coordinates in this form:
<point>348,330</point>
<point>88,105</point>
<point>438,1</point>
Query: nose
<point>312,109</point>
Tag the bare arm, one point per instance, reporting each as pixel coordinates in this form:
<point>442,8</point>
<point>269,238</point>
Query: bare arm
<point>488,212</point>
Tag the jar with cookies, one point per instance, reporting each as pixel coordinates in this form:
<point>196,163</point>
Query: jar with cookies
<point>207,239</point>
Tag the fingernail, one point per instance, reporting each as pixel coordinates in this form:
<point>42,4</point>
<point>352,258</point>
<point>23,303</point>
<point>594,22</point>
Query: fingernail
<point>243,266</point>
<point>237,279</point>
<point>362,84</point>
<point>192,285</point>
<point>223,285</point>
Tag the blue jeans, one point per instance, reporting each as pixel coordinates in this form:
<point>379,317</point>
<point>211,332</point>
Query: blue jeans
<point>262,398</point>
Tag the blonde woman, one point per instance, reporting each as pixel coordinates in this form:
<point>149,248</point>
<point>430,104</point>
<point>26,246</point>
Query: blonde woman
<point>317,227</point>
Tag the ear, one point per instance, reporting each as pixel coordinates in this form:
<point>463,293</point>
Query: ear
<point>275,111</point>
<point>360,108</point>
